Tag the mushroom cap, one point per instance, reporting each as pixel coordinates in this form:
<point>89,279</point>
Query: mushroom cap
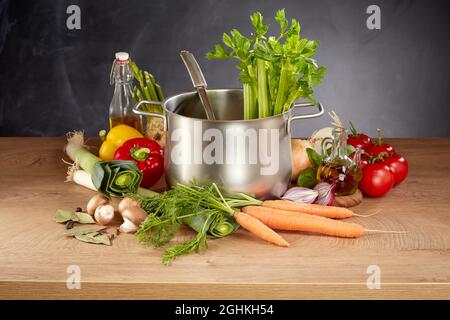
<point>104,214</point>
<point>135,215</point>
<point>127,203</point>
<point>95,202</point>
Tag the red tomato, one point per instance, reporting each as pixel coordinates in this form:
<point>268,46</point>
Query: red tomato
<point>359,140</point>
<point>379,147</point>
<point>398,166</point>
<point>356,139</point>
<point>364,161</point>
<point>377,179</point>
<point>375,149</point>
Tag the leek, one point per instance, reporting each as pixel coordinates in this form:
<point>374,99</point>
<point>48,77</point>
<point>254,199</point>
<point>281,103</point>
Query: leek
<point>112,178</point>
<point>219,227</point>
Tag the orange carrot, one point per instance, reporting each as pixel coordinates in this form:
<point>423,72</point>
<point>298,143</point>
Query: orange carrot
<point>297,221</point>
<point>259,229</point>
<point>313,209</point>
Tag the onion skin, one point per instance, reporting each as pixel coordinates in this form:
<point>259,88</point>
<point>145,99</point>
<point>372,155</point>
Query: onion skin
<point>326,194</point>
<point>301,195</point>
<point>299,160</point>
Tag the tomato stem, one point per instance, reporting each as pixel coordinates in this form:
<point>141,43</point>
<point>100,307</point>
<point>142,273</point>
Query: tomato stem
<point>380,139</point>
<point>355,132</point>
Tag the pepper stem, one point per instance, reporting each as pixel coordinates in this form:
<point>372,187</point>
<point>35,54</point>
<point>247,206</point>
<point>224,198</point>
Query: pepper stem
<point>140,154</point>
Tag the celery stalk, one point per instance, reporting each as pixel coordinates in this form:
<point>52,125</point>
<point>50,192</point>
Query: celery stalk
<point>263,96</point>
<point>282,90</point>
<point>250,109</point>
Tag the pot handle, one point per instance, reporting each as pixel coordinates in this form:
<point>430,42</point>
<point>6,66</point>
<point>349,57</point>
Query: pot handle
<point>136,110</point>
<point>320,111</point>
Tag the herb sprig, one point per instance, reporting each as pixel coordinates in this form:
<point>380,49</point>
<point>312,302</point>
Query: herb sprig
<point>206,209</point>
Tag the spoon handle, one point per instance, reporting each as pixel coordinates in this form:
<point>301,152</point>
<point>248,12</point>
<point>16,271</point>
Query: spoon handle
<point>198,80</point>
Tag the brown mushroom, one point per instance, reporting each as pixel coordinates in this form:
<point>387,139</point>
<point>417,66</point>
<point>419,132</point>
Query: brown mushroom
<point>126,203</point>
<point>104,214</point>
<point>95,202</point>
<point>132,218</point>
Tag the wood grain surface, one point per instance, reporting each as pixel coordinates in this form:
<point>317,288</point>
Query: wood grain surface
<point>350,201</point>
<point>35,255</point>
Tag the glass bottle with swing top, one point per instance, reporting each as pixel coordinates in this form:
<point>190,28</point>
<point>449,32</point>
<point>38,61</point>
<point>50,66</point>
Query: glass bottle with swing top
<point>121,107</point>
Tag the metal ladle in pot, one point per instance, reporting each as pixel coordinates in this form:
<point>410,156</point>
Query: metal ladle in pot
<point>198,80</point>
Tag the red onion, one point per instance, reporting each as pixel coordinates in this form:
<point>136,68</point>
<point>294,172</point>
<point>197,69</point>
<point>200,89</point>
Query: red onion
<point>326,194</point>
<point>301,195</point>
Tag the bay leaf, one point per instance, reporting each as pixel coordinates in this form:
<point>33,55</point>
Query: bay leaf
<point>94,237</point>
<point>104,239</point>
<point>81,230</point>
<point>84,217</point>
<point>62,216</point>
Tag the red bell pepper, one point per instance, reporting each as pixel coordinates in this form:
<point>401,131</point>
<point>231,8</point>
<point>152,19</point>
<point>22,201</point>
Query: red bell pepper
<point>148,156</point>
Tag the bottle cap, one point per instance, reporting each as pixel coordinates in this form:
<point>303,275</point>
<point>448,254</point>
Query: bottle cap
<point>123,56</point>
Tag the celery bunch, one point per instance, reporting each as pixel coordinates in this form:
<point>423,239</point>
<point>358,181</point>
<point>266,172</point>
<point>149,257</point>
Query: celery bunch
<point>275,71</point>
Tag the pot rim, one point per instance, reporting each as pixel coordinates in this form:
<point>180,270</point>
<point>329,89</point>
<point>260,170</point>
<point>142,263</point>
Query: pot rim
<point>163,104</point>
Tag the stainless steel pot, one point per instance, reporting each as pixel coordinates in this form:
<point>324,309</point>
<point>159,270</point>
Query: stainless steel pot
<point>251,156</point>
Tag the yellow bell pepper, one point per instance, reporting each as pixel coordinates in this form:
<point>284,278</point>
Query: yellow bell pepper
<point>115,138</point>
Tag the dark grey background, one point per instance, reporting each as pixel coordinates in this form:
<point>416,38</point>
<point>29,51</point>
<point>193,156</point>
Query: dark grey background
<point>53,80</point>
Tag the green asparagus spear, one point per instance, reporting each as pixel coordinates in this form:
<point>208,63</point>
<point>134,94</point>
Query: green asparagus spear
<point>159,92</point>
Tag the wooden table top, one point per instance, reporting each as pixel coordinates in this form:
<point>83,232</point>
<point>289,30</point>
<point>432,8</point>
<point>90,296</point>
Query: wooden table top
<point>35,255</point>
